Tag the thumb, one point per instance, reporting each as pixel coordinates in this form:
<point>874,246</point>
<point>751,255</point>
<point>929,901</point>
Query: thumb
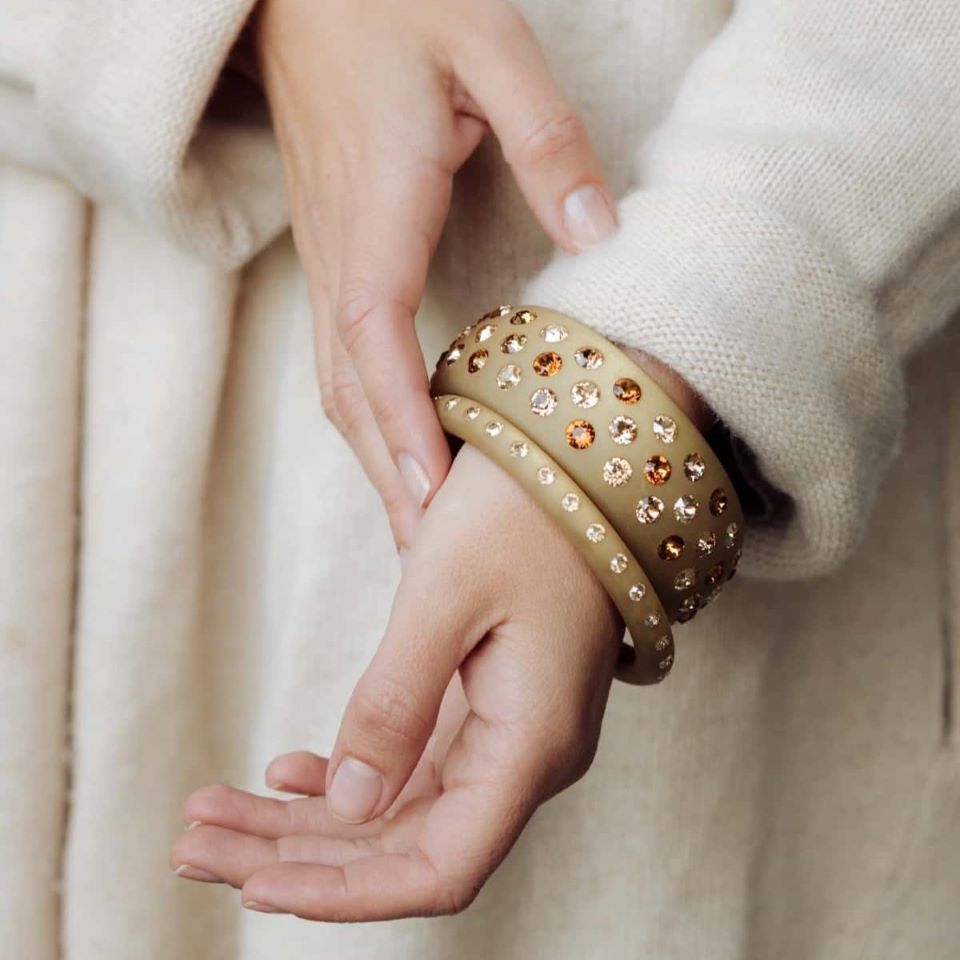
<point>393,709</point>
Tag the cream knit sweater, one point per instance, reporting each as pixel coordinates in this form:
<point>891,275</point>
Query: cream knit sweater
<point>791,230</point>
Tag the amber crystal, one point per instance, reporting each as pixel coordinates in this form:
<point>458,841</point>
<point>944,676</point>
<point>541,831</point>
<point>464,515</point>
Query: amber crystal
<point>580,434</point>
<point>523,316</point>
<point>547,364</point>
<point>657,469</point>
<point>670,548</point>
<point>718,501</point>
<point>627,390</point>
<point>477,360</point>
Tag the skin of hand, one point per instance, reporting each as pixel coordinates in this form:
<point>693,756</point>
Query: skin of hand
<point>484,699</point>
<point>376,104</point>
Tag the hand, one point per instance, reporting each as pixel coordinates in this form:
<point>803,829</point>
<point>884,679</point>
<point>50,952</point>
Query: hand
<point>411,814</point>
<point>376,104</point>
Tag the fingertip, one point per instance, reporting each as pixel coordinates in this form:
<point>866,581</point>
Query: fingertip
<point>588,217</point>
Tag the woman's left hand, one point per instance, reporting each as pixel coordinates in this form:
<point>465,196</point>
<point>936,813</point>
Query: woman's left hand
<point>432,777</point>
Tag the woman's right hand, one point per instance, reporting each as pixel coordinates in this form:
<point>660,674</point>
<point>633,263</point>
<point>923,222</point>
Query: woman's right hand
<point>376,104</point>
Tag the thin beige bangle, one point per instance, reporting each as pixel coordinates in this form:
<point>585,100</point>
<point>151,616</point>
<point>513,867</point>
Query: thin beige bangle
<point>617,434</point>
<point>651,656</point>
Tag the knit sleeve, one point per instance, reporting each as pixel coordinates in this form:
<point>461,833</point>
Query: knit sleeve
<point>794,232</point>
<point>118,88</point>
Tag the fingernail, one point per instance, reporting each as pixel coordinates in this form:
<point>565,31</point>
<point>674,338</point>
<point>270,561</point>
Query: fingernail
<point>588,217</point>
<point>195,873</point>
<point>260,907</point>
<point>277,785</point>
<point>192,826</point>
<point>355,790</point>
<point>415,478</point>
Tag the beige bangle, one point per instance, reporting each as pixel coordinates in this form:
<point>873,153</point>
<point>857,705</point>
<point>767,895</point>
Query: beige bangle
<point>618,436</point>
<point>651,656</point>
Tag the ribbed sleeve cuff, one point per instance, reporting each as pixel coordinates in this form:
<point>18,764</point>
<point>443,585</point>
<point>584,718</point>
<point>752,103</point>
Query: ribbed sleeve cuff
<point>123,88</point>
<point>770,330</point>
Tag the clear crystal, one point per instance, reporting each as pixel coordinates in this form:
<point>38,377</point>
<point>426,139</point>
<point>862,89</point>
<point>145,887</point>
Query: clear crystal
<point>718,501</point>
<point>706,544</point>
<point>570,502</point>
<point>477,360</point>
<point>665,428</point>
<point>651,620</point>
<point>546,476</point>
<point>731,534</point>
<point>465,332</point>
<point>554,333</point>
<point>580,434</point>
<point>493,428</point>
<point>543,402</point>
<point>454,353</point>
<point>623,430</point>
<point>496,312</point>
<point>523,316</point>
<point>486,332</point>
<point>514,343</point>
<point>585,394</point>
<point>547,364</point>
<point>590,358</point>
<point>685,579</point>
<point>450,402</point>
<point>596,532</point>
<point>509,376</point>
<point>694,467</point>
<point>637,592</point>
<point>519,449</point>
<point>657,469</point>
<point>617,471</point>
<point>471,413</point>
<point>649,509</point>
<point>662,643</point>
<point>666,662</point>
<point>618,563</point>
<point>685,508</point>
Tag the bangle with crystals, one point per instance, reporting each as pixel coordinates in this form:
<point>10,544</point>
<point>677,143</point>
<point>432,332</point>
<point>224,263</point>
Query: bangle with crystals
<point>590,414</point>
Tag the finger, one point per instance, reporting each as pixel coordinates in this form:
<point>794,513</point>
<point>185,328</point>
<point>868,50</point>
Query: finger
<point>358,426</point>
<point>542,136</point>
<point>393,709</point>
<point>486,818</point>
<point>298,772</point>
<point>398,212</point>
<point>233,856</point>
<point>234,809</point>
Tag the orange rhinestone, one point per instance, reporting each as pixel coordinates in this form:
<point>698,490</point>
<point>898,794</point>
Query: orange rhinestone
<point>580,434</point>
<point>477,359</point>
<point>718,501</point>
<point>627,390</point>
<point>670,548</point>
<point>657,469</point>
<point>547,364</point>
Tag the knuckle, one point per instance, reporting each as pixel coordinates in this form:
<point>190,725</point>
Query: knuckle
<point>550,139</point>
<point>388,711</point>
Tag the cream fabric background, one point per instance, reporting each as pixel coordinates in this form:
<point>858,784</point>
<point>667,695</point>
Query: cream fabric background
<point>179,526</point>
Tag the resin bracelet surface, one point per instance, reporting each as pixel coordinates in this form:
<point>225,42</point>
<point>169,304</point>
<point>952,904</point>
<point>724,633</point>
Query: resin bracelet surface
<point>617,434</point>
<point>651,656</point>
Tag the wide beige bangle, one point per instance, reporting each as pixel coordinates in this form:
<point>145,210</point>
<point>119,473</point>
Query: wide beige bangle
<point>633,454</point>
